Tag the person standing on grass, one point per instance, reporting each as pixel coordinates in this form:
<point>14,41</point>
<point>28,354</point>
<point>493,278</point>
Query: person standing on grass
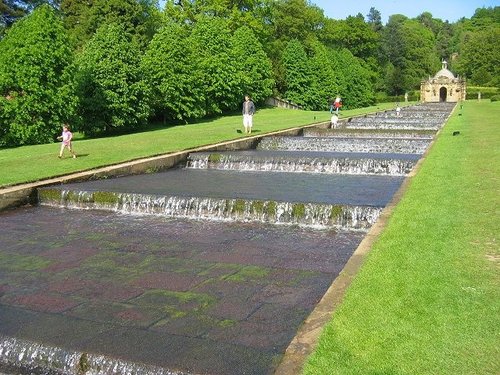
<point>66,138</point>
<point>248,112</point>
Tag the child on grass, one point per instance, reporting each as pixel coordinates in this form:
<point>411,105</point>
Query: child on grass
<point>66,138</point>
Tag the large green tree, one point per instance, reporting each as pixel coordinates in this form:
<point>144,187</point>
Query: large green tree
<point>409,54</point>
<point>298,75</point>
<point>479,57</point>
<point>253,67</point>
<point>358,88</point>
<point>110,83</point>
<point>211,39</point>
<point>328,82</point>
<point>36,90</point>
<point>176,82</point>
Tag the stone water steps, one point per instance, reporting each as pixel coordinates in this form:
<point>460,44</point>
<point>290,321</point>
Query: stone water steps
<point>362,133</point>
<point>402,120</point>
<point>395,124</point>
<point>317,200</point>
<point>305,161</point>
<point>382,125</point>
<point>364,145</point>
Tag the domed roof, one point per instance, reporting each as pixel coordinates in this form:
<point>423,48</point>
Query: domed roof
<point>445,73</point>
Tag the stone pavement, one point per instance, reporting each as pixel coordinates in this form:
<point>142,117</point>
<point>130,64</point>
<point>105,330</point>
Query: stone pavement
<point>186,296</point>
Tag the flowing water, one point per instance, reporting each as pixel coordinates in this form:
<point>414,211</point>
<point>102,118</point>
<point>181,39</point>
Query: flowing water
<point>302,161</point>
<point>207,268</point>
<point>364,145</point>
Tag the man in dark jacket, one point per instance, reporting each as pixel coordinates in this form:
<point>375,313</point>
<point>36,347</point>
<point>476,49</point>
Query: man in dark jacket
<point>248,111</point>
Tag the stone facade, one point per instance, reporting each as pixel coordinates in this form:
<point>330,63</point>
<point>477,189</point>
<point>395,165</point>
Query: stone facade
<point>443,87</point>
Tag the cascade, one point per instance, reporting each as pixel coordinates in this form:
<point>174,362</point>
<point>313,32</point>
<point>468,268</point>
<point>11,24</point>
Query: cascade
<point>41,359</point>
<point>305,214</point>
<point>313,162</point>
<point>360,133</point>
<point>375,145</point>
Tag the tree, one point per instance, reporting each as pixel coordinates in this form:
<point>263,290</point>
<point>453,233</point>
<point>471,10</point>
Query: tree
<point>444,43</point>
<point>354,34</point>
<point>174,77</point>
<point>211,39</point>
<point>254,69</point>
<point>374,19</point>
<point>139,18</point>
<point>480,55</point>
<point>296,19</point>
<point>410,49</point>
<point>36,88</point>
<point>328,82</point>
<point>112,91</point>
<point>357,90</point>
<point>299,79</point>
<point>10,11</point>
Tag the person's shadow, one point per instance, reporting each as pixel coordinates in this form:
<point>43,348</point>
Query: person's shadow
<point>239,131</point>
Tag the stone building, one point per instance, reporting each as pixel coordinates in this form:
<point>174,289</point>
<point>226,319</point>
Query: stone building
<point>443,87</point>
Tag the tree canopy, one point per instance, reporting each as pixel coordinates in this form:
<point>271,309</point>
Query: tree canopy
<point>36,82</point>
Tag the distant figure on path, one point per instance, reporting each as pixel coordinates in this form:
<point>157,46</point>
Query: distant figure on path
<point>337,104</point>
<point>248,112</point>
<point>334,120</point>
<point>66,138</point>
<point>398,110</point>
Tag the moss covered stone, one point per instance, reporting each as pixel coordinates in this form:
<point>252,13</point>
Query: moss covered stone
<point>270,208</point>
<point>336,212</point>
<point>214,158</point>
<point>106,197</point>
<point>83,364</point>
<point>239,206</point>
<point>298,210</point>
<point>17,262</point>
<point>257,207</point>
<point>49,195</point>
<point>249,273</point>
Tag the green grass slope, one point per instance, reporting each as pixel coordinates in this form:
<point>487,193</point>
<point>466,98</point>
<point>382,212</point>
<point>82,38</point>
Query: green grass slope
<point>32,163</point>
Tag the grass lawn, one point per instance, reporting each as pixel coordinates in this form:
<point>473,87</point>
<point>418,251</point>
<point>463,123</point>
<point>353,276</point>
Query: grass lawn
<point>32,163</point>
<point>427,299</point>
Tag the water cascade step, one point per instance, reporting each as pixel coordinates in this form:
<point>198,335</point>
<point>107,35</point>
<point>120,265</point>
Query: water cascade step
<point>392,123</point>
<point>372,145</point>
<point>363,133</point>
<point>320,200</point>
<point>304,214</point>
<point>304,161</point>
